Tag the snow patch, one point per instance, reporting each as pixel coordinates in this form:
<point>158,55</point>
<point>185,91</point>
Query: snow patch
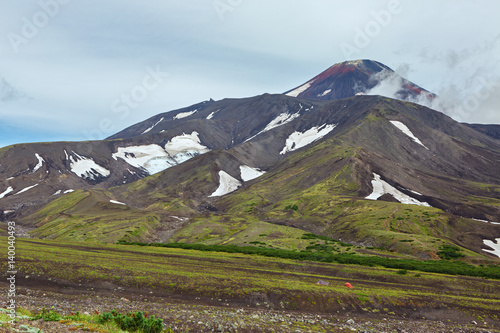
<point>39,164</point>
<point>381,187</point>
<point>298,140</point>
<point>184,147</point>
<point>210,116</point>
<point>184,114</point>
<point>68,191</point>
<point>296,92</point>
<point>149,129</point>
<point>301,107</point>
<point>57,192</point>
<point>280,120</point>
<point>493,245</point>
<point>10,178</point>
<point>153,158</point>
<point>26,189</point>
<point>227,184</point>
<point>248,173</point>
<point>86,168</point>
<point>326,92</point>
<point>485,221</point>
<point>7,191</point>
<point>402,127</point>
<point>185,143</point>
<point>180,218</point>
<point>117,202</point>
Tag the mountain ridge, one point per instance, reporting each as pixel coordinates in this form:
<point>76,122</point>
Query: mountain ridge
<point>319,164</point>
<point>185,190</point>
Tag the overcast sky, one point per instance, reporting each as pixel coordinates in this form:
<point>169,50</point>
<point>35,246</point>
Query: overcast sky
<point>78,70</point>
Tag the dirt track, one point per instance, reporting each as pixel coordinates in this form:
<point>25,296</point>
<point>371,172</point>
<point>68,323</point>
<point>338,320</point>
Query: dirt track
<point>219,315</point>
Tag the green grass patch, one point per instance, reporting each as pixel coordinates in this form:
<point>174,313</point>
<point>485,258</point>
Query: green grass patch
<point>180,270</point>
<point>435,266</point>
<point>90,216</point>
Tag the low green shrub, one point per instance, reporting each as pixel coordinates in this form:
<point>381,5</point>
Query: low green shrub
<point>432,266</point>
<point>450,252</point>
<point>132,322</point>
<point>319,248</point>
<point>47,316</point>
<point>292,207</point>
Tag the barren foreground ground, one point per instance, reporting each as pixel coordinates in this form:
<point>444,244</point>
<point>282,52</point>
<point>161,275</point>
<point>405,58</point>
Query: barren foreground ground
<point>217,315</point>
<point>196,291</point>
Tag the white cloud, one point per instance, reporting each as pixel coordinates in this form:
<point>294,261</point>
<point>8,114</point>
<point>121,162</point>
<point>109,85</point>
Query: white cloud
<point>390,84</point>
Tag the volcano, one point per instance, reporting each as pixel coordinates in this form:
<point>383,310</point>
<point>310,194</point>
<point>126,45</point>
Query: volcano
<point>327,157</point>
<point>350,78</point>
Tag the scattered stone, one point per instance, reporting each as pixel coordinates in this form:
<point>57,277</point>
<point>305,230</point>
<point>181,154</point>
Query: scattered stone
<point>188,317</point>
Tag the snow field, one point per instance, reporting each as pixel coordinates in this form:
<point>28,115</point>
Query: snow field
<point>153,158</point>
<point>26,189</point>
<point>85,167</point>
<point>227,184</point>
<point>296,92</point>
<point>326,92</point>
<point>298,140</point>
<point>402,127</point>
<point>185,114</point>
<point>495,245</point>
<point>39,164</point>
<point>280,120</point>
<point>117,202</point>
<point>149,129</point>
<point>7,191</point>
<point>381,187</point>
<point>249,173</point>
<point>185,142</point>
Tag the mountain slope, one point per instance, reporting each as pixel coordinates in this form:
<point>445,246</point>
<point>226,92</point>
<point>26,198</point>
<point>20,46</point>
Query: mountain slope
<point>92,215</point>
<point>490,130</point>
<point>366,169</point>
<point>34,174</point>
<point>372,123</point>
<point>327,183</point>
<point>376,148</point>
<point>230,121</point>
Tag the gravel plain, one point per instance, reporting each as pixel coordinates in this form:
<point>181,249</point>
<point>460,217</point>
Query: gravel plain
<point>194,315</point>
